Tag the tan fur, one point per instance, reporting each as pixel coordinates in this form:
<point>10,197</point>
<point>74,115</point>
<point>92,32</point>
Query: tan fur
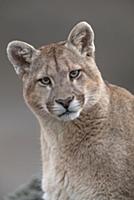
<point>89,156</point>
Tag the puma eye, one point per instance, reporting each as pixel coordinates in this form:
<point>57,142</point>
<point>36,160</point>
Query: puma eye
<point>45,81</point>
<point>74,73</point>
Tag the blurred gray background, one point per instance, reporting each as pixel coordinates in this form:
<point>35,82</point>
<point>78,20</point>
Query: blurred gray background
<point>40,22</point>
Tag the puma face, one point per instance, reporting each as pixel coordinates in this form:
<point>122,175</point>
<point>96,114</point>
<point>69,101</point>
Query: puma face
<point>60,80</point>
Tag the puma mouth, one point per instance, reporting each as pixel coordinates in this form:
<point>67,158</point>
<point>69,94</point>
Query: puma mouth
<point>69,115</point>
<point>67,112</point>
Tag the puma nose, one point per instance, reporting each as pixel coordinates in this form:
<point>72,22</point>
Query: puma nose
<point>65,102</point>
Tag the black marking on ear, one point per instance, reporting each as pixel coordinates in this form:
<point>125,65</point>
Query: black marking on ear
<point>85,40</point>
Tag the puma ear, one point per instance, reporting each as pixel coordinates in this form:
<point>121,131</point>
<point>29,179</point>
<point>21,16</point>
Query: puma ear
<point>81,39</point>
<point>21,55</point>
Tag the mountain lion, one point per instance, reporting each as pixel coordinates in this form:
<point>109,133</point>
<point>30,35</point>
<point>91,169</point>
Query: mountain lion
<point>87,125</point>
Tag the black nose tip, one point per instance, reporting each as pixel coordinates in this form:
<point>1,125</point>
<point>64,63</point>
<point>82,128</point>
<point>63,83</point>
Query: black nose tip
<point>65,102</point>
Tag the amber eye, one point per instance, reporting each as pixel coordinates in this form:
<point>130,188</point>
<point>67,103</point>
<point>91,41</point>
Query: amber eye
<point>45,81</point>
<point>74,74</point>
